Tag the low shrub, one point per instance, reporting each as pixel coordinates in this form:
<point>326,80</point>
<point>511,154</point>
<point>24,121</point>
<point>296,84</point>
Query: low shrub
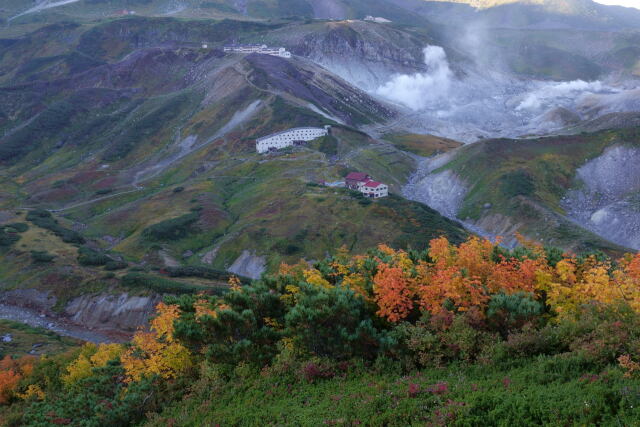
<point>41,256</point>
<point>203,272</point>
<point>91,257</point>
<point>18,227</point>
<point>44,219</point>
<point>172,229</point>
<point>329,145</point>
<point>8,238</point>
<point>517,183</point>
<point>162,285</point>
<point>115,265</point>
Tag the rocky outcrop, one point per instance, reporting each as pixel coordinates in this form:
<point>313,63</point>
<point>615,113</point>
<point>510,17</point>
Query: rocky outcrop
<point>249,265</point>
<point>122,312</point>
<point>97,318</point>
<point>606,199</point>
<point>363,53</point>
<point>41,301</point>
<point>312,84</point>
<point>495,224</point>
<point>444,191</point>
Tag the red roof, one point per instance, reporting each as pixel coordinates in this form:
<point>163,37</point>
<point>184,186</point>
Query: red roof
<point>357,176</point>
<point>372,184</point>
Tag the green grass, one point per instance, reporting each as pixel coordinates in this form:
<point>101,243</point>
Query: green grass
<point>149,282</point>
<point>542,391</point>
<point>422,145</point>
<point>29,340</point>
<point>516,175</point>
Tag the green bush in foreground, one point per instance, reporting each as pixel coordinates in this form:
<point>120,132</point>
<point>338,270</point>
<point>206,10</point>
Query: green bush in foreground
<point>390,338</point>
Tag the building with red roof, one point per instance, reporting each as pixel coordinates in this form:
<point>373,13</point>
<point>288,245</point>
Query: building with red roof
<point>363,183</point>
<point>355,179</point>
<point>375,189</point>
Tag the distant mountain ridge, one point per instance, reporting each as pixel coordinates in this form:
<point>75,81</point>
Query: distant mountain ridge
<point>518,13</point>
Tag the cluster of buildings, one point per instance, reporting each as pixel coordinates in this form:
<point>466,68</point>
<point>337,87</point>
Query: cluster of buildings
<point>358,181</point>
<point>289,137</point>
<point>258,48</point>
<point>363,183</point>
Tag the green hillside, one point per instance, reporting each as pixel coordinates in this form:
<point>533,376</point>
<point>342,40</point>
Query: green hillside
<point>158,166</point>
<point>525,180</point>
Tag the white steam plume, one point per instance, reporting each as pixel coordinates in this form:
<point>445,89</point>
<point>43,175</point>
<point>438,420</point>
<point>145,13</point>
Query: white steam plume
<point>542,96</point>
<point>418,91</point>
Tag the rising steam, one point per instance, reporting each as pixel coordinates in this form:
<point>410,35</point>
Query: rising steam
<point>418,91</point>
<point>489,103</point>
<point>550,93</point>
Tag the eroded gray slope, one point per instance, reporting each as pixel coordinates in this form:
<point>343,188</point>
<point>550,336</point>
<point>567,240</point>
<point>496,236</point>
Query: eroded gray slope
<point>607,200</point>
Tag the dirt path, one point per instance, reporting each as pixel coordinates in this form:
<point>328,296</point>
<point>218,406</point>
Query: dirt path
<point>99,199</point>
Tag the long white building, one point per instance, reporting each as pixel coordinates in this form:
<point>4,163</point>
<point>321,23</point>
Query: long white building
<point>258,48</point>
<point>287,137</point>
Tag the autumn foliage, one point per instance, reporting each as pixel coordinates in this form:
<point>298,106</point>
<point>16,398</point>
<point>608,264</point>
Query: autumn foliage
<point>156,352</point>
<point>476,302</point>
<point>461,278</point>
<point>91,356</point>
<point>11,372</point>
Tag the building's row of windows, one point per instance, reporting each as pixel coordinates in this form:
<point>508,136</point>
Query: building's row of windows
<point>288,138</point>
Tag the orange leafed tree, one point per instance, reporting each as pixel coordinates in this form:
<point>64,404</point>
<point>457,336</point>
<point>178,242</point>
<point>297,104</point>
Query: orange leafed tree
<point>467,276</point>
<point>394,293</point>
<point>11,373</point>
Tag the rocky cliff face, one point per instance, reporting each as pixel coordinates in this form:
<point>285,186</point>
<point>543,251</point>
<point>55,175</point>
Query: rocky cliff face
<point>117,313</point>
<point>363,53</point>
<point>249,265</point>
<point>443,191</point>
<point>121,312</point>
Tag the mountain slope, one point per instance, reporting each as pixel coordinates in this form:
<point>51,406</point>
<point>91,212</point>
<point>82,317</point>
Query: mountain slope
<point>153,132</point>
<point>543,188</point>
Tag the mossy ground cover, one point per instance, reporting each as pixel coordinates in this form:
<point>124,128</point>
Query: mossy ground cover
<point>542,391</point>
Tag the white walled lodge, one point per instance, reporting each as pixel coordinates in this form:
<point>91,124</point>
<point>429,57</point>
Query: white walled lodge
<point>259,48</point>
<point>286,138</point>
